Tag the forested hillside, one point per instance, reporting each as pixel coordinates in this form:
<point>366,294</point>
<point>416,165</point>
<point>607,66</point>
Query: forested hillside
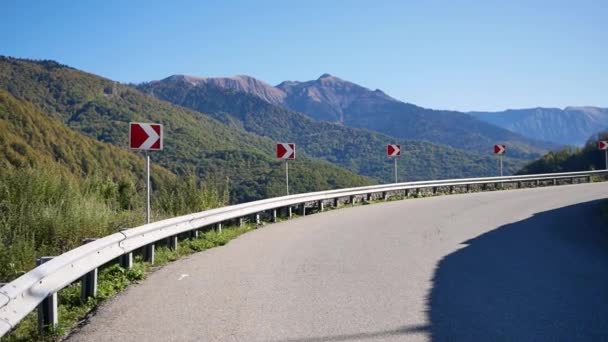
<point>195,144</point>
<point>570,159</point>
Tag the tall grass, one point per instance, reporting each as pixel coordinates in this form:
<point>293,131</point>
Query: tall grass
<point>46,212</point>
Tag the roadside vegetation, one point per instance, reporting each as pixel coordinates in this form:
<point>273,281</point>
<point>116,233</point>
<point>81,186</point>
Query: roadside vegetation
<point>570,159</point>
<point>111,280</point>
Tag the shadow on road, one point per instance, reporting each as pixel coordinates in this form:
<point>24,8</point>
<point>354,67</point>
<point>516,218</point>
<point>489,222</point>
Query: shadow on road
<point>376,335</point>
<point>543,278</point>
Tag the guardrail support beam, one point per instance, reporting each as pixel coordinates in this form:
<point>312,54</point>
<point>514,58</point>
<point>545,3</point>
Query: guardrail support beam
<point>241,221</point>
<point>172,242</point>
<point>194,234</point>
<point>149,252</point>
<point>274,215</point>
<point>258,220</point>
<point>218,227</point>
<point>321,206</point>
<point>385,195</point>
<point>126,261</point>
<point>48,317</point>
<point>88,282</point>
<point>554,181</point>
<point>352,200</point>
<point>336,202</point>
<point>303,209</point>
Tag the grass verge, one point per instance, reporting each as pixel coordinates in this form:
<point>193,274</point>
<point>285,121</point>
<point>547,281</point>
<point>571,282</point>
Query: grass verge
<point>111,280</point>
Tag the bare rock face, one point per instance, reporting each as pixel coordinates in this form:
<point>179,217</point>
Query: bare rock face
<point>240,83</point>
<point>329,97</point>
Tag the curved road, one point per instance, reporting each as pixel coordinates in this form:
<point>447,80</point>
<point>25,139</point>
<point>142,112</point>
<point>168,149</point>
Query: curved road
<point>518,265</point>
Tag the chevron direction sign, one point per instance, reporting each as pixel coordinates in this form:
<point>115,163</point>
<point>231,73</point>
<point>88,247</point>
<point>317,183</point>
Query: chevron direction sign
<point>393,150</point>
<point>500,149</point>
<point>286,151</point>
<point>145,136</point>
<point>602,145</point>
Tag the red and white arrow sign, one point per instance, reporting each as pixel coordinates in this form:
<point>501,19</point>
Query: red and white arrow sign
<point>602,145</point>
<point>500,149</point>
<point>393,150</point>
<point>286,151</point>
<point>145,136</point>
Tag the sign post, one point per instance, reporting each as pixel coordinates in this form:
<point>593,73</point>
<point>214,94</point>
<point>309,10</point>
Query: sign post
<point>603,145</point>
<point>500,150</point>
<point>286,151</point>
<point>394,150</point>
<point>147,137</point>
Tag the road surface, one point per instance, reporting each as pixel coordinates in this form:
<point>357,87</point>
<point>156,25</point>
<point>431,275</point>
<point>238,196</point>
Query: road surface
<point>517,265</point>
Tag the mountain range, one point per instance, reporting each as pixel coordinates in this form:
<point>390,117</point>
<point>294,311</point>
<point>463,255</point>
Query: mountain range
<point>332,99</point>
<point>361,151</point>
<point>568,126</point>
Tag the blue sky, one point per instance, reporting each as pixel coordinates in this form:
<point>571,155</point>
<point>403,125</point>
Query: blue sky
<point>464,55</point>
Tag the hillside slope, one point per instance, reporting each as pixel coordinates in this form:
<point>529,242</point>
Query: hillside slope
<point>359,150</point>
<point>194,142</point>
<point>570,126</point>
<point>570,159</point>
<point>31,139</point>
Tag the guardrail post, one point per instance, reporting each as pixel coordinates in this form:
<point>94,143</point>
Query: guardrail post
<point>589,179</point>
<point>241,221</point>
<point>369,197</point>
<point>484,187</point>
<point>468,188</point>
<point>321,206</point>
<point>258,221</point>
<point>303,209</point>
<point>274,215</point>
<point>451,189</point>
<point>149,252</point>
<point>418,192</point>
<point>126,260</point>
<point>554,181</point>
<point>88,282</point>
<point>48,317</point>
<point>336,202</point>
<point>518,185</point>
<point>384,195</point>
<point>219,227</point>
<point>195,233</point>
<point>434,190</point>
<point>352,200</point>
<point>538,182</point>
<point>407,193</point>
<point>572,180</point>
<point>172,242</point>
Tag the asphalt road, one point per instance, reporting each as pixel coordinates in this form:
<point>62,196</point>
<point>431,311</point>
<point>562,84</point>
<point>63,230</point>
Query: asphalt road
<point>518,265</point>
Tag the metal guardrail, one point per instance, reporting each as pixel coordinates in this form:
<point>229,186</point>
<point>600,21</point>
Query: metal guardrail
<point>37,288</point>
